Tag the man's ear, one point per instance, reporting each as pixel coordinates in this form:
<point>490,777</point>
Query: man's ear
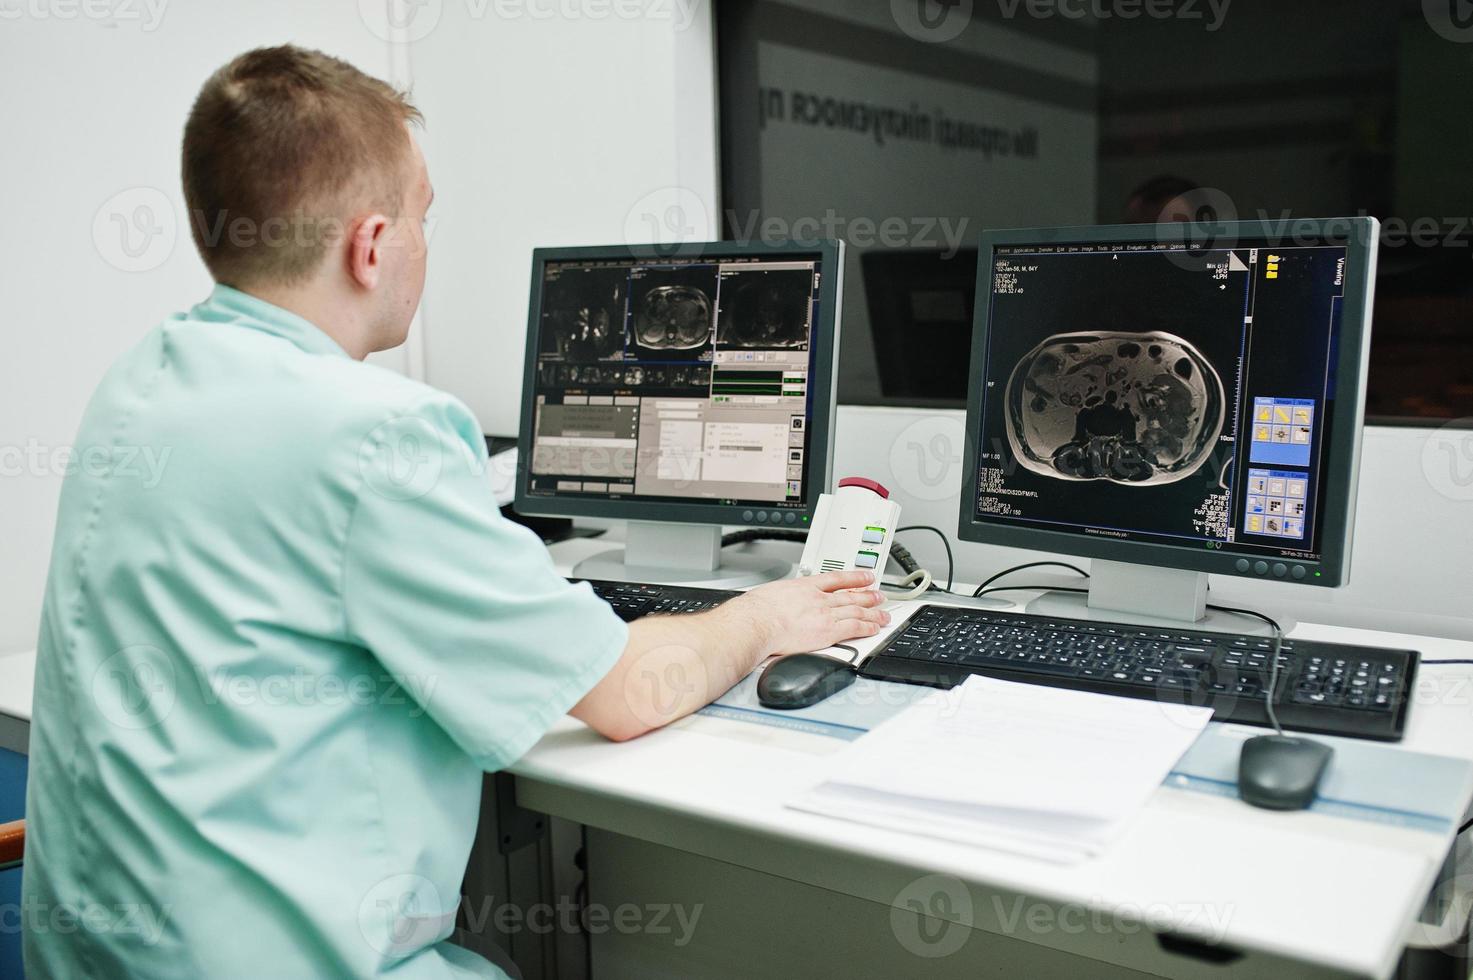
<point>367,244</point>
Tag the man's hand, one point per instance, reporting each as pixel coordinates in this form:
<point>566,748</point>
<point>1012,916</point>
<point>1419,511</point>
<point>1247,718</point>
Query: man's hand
<point>674,665</point>
<point>800,614</point>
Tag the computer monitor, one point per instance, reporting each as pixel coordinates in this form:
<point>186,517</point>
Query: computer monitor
<point>682,388</point>
<point>1171,401</point>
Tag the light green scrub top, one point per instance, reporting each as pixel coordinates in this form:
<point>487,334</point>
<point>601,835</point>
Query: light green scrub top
<point>286,630</point>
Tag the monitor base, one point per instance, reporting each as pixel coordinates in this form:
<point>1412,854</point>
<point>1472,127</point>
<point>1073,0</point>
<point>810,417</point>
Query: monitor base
<point>1144,595</point>
<point>736,572</point>
<point>680,554</point>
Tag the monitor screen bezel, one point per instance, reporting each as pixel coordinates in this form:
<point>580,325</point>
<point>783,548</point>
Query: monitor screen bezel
<point>819,458</point>
<point>1342,458</point>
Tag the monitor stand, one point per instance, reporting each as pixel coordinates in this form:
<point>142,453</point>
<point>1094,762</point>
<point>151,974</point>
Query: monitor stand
<point>1145,595</point>
<point>680,554</point>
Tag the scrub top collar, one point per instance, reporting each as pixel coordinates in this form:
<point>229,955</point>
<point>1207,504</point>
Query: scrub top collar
<point>229,305</point>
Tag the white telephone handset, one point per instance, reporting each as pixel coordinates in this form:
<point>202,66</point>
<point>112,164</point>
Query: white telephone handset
<point>853,527</point>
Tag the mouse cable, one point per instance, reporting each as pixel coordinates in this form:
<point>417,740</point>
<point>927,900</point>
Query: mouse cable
<point>1278,637</point>
<point>1273,664</point>
<point>1463,829</point>
<point>1032,564</point>
<point>1426,663</point>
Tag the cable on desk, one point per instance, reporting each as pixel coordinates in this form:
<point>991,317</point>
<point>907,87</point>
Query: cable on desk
<point>1032,564</point>
<point>901,556</point>
<point>950,561</point>
<point>1463,829</point>
<point>917,580</point>
<point>762,534</point>
<point>1436,662</point>
<point>1026,588</point>
<point>916,584</point>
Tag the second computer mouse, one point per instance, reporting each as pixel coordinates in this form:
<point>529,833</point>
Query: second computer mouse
<point>802,679</point>
<point>1281,772</point>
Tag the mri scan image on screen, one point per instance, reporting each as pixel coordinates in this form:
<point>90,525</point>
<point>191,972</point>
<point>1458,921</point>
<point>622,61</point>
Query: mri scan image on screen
<point>673,318</point>
<point>584,312</point>
<point>1136,409</point>
<point>765,310</point>
<point>673,313</point>
<point>625,376</point>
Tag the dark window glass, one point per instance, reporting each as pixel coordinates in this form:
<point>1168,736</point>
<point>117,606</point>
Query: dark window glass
<point>906,128</point>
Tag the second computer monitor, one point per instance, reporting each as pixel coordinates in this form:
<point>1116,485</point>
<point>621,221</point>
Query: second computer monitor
<point>1185,399</point>
<point>692,384</point>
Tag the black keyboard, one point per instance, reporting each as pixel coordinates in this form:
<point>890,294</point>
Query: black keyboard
<point>632,600</point>
<point>1361,692</point>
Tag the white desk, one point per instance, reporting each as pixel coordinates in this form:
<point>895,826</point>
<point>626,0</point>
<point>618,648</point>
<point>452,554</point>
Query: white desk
<point>1300,894</point>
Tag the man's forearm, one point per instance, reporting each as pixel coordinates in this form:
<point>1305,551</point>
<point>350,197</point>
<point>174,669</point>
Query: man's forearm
<point>672,666</point>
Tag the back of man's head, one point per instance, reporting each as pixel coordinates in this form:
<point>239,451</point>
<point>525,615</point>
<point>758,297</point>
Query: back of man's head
<point>282,146</point>
<point>1162,198</point>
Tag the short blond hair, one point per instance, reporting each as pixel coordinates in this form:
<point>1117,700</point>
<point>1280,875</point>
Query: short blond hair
<point>279,143</point>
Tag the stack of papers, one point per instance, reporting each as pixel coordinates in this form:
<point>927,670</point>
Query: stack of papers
<point>1050,773</point>
<point>503,471</point>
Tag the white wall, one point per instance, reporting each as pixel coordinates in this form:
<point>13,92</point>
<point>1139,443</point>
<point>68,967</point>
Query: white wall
<point>550,132</point>
<point>540,131</point>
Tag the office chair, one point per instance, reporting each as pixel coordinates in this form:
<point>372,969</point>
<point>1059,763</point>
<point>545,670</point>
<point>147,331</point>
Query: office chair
<point>12,844</point>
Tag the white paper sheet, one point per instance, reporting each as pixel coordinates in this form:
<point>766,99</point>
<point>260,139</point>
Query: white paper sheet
<point>1025,768</point>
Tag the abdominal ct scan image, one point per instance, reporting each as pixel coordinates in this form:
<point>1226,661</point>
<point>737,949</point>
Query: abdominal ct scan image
<point>585,311</point>
<point>765,309</point>
<point>1138,409</point>
<point>672,318</point>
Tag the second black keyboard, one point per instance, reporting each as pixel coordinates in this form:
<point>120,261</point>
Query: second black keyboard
<point>1331,688</point>
<point>632,600</point>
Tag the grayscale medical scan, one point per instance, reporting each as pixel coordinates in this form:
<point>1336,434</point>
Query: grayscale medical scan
<point>1135,408</point>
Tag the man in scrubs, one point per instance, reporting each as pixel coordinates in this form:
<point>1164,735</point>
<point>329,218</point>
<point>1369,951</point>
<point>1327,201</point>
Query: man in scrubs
<point>271,676</point>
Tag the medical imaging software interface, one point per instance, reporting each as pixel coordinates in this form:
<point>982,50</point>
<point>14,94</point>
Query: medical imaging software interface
<point>1148,393</point>
<point>677,379</point>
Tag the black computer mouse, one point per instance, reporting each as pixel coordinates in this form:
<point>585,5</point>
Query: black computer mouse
<point>1281,772</point>
<point>801,679</point>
